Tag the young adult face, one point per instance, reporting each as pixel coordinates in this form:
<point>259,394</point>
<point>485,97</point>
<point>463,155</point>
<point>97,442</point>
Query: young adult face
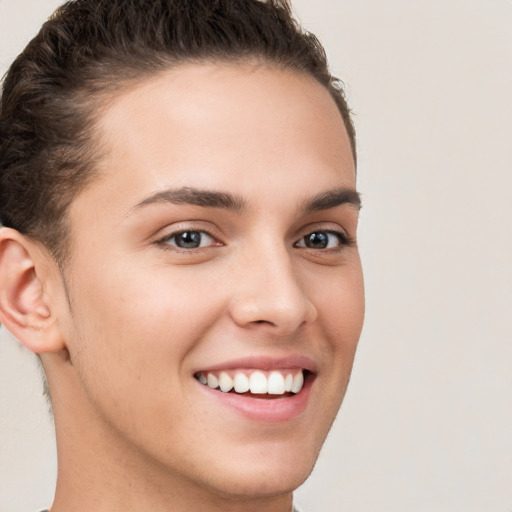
<point>218,237</point>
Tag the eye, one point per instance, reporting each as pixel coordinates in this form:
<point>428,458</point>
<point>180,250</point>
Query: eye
<point>189,240</point>
<point>324,240</point>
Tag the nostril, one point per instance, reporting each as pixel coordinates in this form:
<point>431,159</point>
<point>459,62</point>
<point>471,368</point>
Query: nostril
<point>263,322</point>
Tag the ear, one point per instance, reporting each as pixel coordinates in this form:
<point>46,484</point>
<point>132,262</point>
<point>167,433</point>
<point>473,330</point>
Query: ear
<point>25,308</point>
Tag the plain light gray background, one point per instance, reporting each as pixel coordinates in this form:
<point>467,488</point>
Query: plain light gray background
<point>427,422</point>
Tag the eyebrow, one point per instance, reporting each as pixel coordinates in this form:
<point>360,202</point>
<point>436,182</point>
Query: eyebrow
<point>332,199</point>
<point>227,201</point>
<point>196,197</point>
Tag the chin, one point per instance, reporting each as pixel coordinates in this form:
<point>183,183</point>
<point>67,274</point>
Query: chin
<point>265,475</point>
<point>260,486</point>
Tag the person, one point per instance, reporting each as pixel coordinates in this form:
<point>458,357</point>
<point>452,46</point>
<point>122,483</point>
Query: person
<point>179,209</point>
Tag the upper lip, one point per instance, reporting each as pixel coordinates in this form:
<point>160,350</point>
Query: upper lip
<point>264,363</point>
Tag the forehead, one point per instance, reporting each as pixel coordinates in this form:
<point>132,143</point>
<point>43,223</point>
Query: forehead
<point>218,125</point>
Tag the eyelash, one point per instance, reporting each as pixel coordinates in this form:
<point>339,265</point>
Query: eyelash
<point>343,240</point>
<point>166,245</point>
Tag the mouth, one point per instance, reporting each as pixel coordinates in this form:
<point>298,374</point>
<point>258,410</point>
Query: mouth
<point>259,395</point>
<point>260,388</point>
<point>256,383</point>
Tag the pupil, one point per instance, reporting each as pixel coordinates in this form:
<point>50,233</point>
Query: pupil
<point>188,240</point>
<point>317,240</point>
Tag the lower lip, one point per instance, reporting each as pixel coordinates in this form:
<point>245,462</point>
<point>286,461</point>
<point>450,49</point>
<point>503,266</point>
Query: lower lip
<point>270,410</point>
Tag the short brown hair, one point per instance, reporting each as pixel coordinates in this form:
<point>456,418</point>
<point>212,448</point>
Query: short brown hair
<point>90,48</point>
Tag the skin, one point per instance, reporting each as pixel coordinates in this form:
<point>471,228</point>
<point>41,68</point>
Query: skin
<point>123,330</point>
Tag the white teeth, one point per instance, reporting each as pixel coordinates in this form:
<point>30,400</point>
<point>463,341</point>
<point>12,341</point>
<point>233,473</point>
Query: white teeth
<point>275,384</point>
<point>241,383</point>
<point>258,383</point>
<point>298,382</point>
<point>288,383</point>
<point>212,381</point>
<point>225,382</point>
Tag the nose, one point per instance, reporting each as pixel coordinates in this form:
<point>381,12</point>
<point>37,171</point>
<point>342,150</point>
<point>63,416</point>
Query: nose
<point>269,294</point>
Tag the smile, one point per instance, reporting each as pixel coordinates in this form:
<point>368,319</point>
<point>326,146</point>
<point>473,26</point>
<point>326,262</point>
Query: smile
<point>255,382</point>
<point>259,388</point>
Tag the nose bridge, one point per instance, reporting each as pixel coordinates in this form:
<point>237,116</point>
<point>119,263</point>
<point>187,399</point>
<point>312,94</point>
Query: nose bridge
<point>269,291</point>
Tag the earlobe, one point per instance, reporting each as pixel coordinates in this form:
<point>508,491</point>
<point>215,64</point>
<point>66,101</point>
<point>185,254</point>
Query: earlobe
<point>24,307</point>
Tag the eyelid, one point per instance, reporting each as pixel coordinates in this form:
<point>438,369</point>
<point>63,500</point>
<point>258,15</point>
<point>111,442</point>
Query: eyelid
<point>344,239</point>
<point>176,229</point>
<point>167,240</point>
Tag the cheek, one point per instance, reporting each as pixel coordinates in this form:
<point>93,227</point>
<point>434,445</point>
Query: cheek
<point>138,325</point>
<point>141,297</point>
<point>132,333</point>
<point>342,306</point>
<point>342,313</point>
